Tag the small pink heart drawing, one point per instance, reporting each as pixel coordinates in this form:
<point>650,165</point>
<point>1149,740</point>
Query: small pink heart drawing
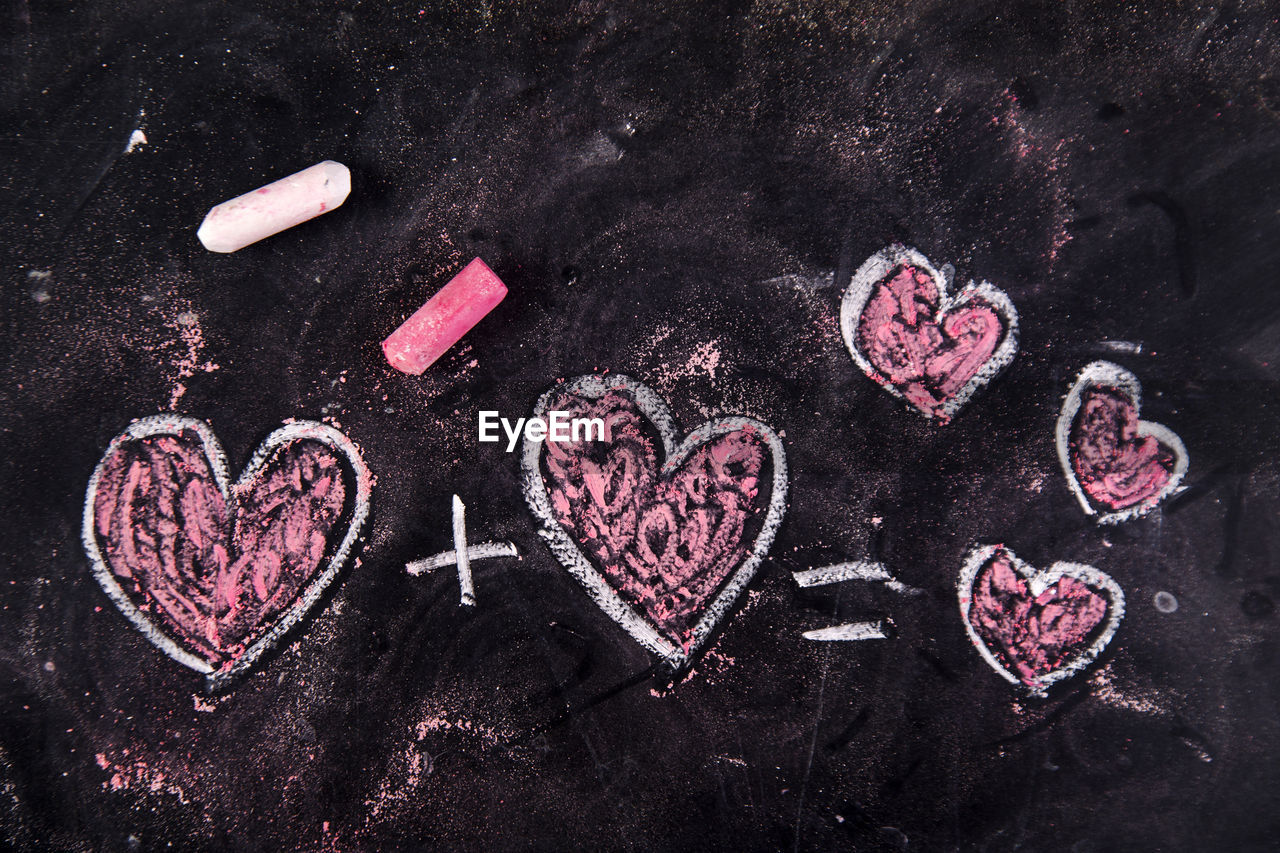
<point>921,343</point>
<point>214,573</point>
<point>663,536</point>
<point>1118,466</point>
<point>1036,628</point>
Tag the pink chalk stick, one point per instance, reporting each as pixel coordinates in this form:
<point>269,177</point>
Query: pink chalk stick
<point>445,318</point>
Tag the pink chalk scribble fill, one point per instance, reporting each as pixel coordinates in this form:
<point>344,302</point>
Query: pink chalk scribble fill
<point>1118,466</point>
<point>919,342</point>
<point>213,572</point>
<point>667,543</point>
<point>1115,464</point>
<point>214,577</point>
<point>1032,634</point>
<point>1037,627</point>
<point>926,355</point>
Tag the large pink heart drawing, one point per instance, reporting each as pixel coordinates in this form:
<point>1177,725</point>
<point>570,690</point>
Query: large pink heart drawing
<point>918,341</point>
<point>1118,466</point>
<point>663,536</point>
<point>214,573</point>
<point>1036,628</point>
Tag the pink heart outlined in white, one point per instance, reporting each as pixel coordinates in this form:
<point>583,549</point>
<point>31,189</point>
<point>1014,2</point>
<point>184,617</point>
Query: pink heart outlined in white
<point>1108,375</point>
<point>674,654</point>
<point>217,677</point>
<point>864,284</point>
<point>1038,582</point>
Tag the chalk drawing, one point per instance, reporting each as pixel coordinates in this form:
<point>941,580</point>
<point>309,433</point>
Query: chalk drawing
<point>1033,627</point>
<point>663,536</point>
<point>483,551</point>
<point>855,571</point>
<point>921,343</point>
<point>462,555</point>
<point>861,570</point>
<point>466,586</point>
<point>849,631</point>
<point>1118,467</point>
<point>212,572</point>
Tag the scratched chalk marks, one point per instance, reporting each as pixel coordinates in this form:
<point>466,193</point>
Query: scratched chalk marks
<point>212,572</point>
<point>920,342</point>
<point>664,536</point>
<point>1118,467</point>
<point>1033,627</point>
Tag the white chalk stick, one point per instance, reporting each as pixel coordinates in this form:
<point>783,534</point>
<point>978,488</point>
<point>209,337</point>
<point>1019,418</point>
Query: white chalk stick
<point>269,210</point>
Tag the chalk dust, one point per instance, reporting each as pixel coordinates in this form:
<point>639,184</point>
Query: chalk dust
<point>1141,700</point>
<point>128,774</point>
<point>186,347</point>
<point>440,721</point>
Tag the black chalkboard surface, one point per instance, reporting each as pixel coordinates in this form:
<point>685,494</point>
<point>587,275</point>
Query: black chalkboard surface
<point>872,560</point>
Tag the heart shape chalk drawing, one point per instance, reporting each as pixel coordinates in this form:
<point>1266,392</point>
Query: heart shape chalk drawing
<point>1118,466</point>
<point>922,344</point>
<point>212,572</point>
<point>663,536</point>
<point>1036,628</point>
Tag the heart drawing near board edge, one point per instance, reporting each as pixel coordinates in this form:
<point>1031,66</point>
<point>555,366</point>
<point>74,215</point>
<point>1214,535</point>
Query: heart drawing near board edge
<point>1118,467</point>
<point>921,343</point>
<point>664,536</point>
<point>1036,628</point>
<point>215,573</point>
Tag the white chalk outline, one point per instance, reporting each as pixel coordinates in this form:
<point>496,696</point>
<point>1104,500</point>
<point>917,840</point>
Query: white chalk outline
<point>848,632</point>
<point>873,271</point>
<point>175,425</point>
<point>1109,375</point>
<point>597,586</point>
<point>1037,582</point>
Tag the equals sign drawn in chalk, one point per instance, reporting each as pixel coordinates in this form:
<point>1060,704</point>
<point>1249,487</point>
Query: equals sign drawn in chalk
<point>854,571</point>
<point>447,316</point>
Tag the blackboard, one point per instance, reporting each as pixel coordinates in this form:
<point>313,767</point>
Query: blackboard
<point>681,194</point>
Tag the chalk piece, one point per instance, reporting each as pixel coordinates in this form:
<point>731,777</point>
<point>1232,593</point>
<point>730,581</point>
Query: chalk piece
<point>269,210</point>
<point>445,318</point>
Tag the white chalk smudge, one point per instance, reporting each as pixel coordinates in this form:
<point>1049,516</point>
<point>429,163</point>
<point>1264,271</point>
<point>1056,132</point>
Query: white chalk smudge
<point>136,140</point>
<point>1139,700</point>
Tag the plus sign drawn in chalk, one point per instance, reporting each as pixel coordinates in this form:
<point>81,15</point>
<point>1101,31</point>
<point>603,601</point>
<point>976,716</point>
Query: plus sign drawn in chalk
<point>861,571</point>
<point>462,555</point>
